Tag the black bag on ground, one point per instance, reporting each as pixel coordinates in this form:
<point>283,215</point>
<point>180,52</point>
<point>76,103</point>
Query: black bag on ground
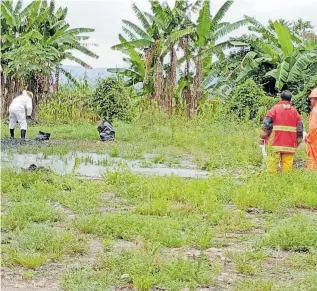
<point>106,131</point>
<point>43,136</point>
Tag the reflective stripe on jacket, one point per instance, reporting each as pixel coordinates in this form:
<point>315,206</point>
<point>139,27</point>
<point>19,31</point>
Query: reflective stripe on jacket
<point>286,122</point>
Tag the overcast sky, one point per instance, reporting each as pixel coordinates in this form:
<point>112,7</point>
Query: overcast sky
<point>105,17</point>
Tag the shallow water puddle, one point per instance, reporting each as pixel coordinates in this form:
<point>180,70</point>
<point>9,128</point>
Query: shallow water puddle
<point>93,165</point>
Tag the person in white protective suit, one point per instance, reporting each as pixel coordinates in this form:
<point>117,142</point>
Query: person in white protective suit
<point>19,111</point>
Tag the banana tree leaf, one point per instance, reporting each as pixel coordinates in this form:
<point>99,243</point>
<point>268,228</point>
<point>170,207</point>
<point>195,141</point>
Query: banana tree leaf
<point>300,65</point>
<point>204,23</point>
<point>280,74</point>
<point>284,38</point>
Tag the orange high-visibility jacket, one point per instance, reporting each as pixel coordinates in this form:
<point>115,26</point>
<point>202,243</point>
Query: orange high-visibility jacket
<point>312,139</point>
<point>285,124</point>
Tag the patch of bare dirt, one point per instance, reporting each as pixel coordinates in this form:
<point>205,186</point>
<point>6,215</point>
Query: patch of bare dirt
<point>45,279</point>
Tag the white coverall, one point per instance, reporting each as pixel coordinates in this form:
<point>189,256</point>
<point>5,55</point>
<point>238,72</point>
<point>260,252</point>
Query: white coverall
<point>20,107</point>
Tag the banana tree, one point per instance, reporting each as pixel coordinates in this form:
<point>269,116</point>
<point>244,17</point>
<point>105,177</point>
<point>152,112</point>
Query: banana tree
<point>135,74</point>
<point>157,38</point>
<point>203,45</point>
<point>34,40</point>
<point>291,57</point>
<point>40,24</point>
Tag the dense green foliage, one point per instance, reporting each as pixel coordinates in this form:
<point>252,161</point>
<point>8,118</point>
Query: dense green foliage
<point>112,99</point>
<point>35,40</point>
<point>300,101</point>
<point>150,51</point>
<point>282,55</point>
<point>247,99</point>
<point>290,53</point>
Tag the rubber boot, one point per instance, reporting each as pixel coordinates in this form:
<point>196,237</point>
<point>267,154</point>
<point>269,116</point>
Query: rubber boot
<point>23,133</point>
<point>12,132</point>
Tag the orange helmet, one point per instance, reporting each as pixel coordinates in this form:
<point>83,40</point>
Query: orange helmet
<point>313,93</point>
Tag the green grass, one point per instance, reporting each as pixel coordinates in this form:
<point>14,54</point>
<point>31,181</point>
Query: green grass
<point>308,283</point>
<point>298,233</point>
<point>79,131</point>
<point>248,262</point>
<point>28,275</point>
<point>255,285</point>
<point>37,243</point>
<point>143,269</point>
<point>24,212</point>
<point>181,231</point>
<point>179,228</point>
<point>26,260</point>
<point>302,261</point>
<point>47,240</point>
<point>201,196</point>
<point>273,192</point>
<point>165,214</point>
<point>35,187</point>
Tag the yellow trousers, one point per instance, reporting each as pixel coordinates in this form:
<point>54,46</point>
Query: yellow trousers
<point>286,161</point>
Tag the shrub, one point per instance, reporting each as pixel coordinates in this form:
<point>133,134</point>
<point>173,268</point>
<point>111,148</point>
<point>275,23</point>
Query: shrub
<point>266,104</point>
<point>247,99</point>
<point>301,101</point>
<point>112,99</point>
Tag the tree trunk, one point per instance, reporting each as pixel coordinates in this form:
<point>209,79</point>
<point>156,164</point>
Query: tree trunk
<point>148,56</point>
<point>2,93</point>
<point>197,91</point>
<point>187,97</point>
<point>57,76</point>
<point>8,94</point>
<point>171,80</point>
<point>158,82</point>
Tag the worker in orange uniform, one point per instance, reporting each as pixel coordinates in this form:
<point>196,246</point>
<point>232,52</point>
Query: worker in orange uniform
<point>283,130</point>
<point>311,139</point>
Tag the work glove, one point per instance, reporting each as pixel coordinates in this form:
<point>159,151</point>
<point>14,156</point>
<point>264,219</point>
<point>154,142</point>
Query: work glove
<point>261,142</point>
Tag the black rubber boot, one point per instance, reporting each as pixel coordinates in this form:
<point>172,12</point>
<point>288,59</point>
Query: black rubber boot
<point>23,133</point>
<point>12,132</point>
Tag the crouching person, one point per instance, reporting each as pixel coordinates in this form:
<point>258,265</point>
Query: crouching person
<point>19,111</point>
